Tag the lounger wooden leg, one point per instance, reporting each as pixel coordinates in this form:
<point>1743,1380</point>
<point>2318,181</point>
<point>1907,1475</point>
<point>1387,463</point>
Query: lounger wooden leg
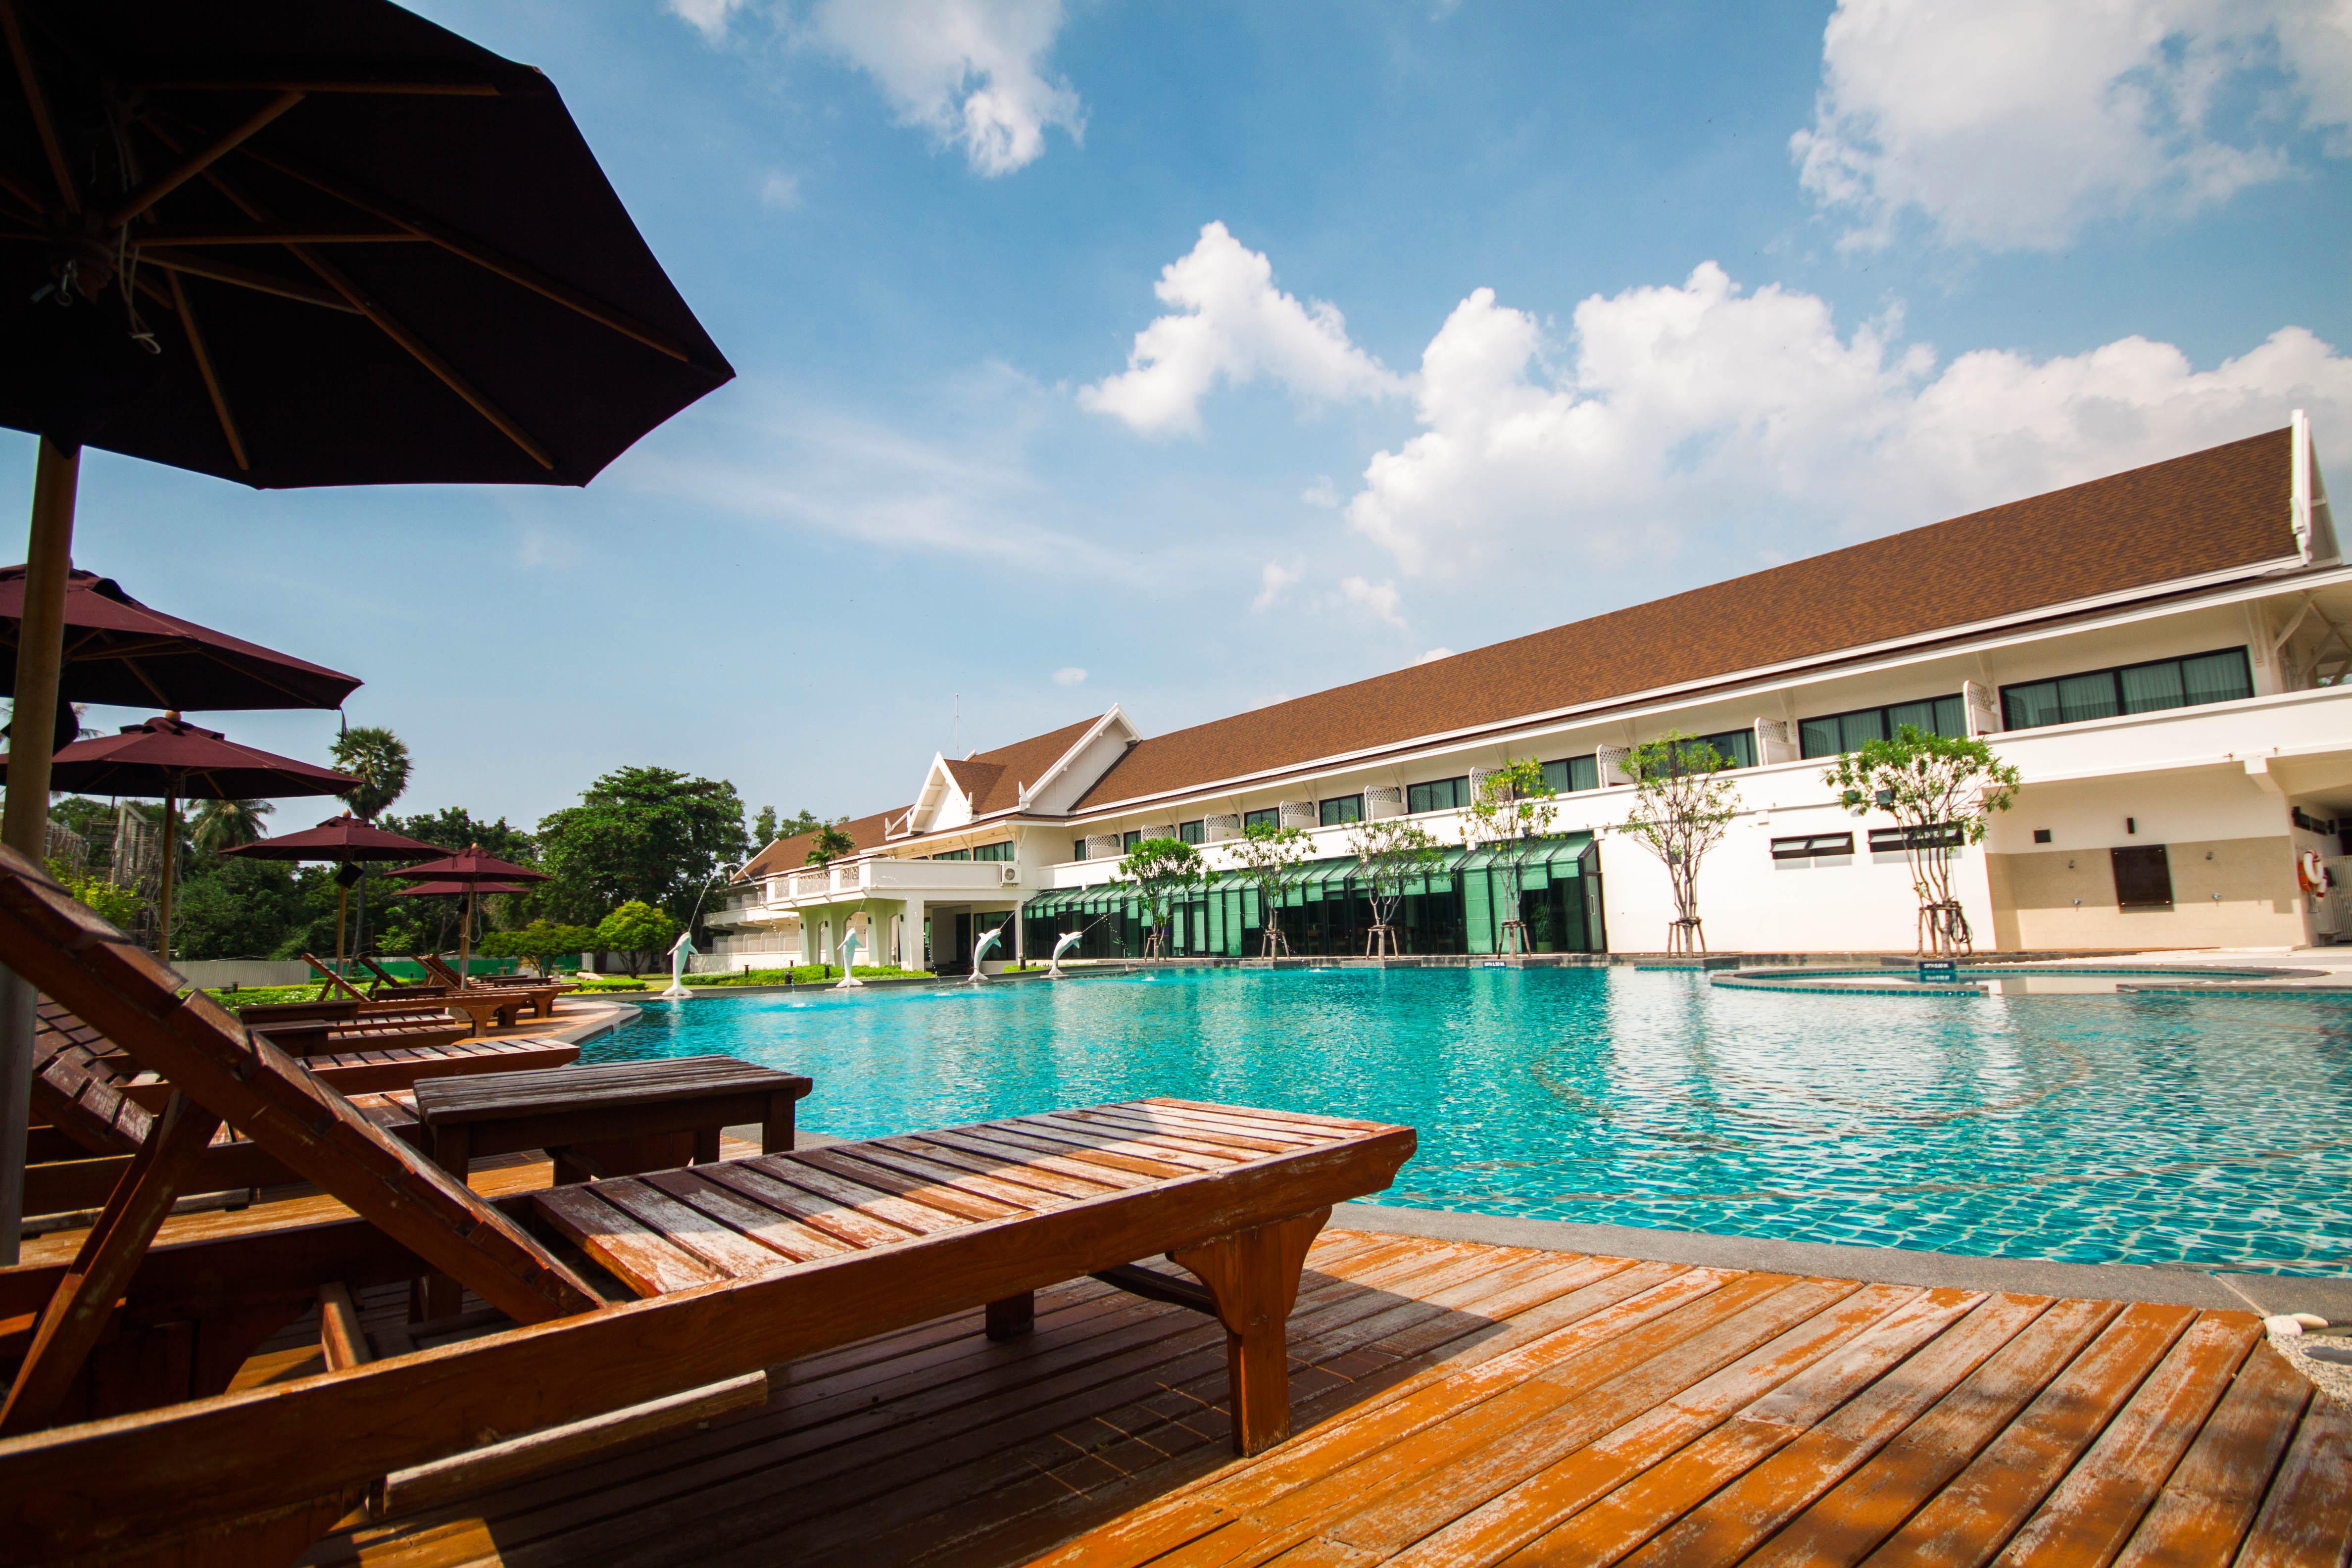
<point>1253,1277</point>
<point>84,1298</point>
<point>442,1297</point>
<point>776,1129</point>
<point>1013,1317</point>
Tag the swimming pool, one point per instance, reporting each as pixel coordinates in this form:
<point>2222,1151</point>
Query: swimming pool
<point>2166,1130</point>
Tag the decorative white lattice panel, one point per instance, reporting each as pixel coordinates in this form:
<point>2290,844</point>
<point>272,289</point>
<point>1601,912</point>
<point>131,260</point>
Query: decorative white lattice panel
<point>1610,763</point>
<point>1382,801</point>
<point>1298,814</point>
<point>1217,830</point>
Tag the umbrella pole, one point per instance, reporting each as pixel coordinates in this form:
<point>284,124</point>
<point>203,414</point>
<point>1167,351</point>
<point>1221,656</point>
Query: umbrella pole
<point>24,824</point>
<point>171,856</point>
<point>466,937</point>
<point>342,895</point>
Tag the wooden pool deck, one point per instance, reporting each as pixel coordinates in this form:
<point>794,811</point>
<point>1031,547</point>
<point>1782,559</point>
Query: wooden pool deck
<point>1464,1403</point>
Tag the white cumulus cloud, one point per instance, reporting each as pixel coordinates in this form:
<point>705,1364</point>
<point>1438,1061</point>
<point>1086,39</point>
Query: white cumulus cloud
<point>1707,403</point>
<point>781,191</point>
<point>1070,675</point>
<point>2010,123</point>
<point>1274,583</point>
<point>1434,655</point>
<point>1381,599</point>
<point>1230,323</point>
<point>973,72</point>
<point>708,17</point>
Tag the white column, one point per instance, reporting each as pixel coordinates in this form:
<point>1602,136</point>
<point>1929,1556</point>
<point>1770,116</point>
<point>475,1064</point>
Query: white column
<point>911,936</point>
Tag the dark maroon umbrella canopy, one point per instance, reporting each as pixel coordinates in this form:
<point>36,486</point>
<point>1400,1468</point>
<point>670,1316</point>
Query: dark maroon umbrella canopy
<point>120,652</point>
<point>338,838</point>
<point>168,756</point>
<point>447,889</point>
<point>319,242</point>
<point>470,866</point>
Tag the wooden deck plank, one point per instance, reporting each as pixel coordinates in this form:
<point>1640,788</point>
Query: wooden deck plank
<point>1044,1178</point>
<point>1160,1113</point>
<point>806,1174</point>
<point>848,1223</point>
<point>947,1196</point>
<point>1016,1194</point>
<point>708,1237</point>
<point>764,1224</point>
<point>631,1251</point>
<point>2209,1501</point>
<point>2305,1522</point>
<point>1016,1134</point>
<point>1850,1521</point>
<point>1007,1153</point>
<point>1156,1147</point>
<point>1203,1133</point>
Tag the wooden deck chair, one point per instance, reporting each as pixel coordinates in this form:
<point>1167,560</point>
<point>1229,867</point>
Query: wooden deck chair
<point>391,986</point>
<point>541,994</point>
<point>742,1266</point>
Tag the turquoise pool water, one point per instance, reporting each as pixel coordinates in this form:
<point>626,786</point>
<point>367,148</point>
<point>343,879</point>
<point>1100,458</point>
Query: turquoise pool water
<point>2211,1133</point>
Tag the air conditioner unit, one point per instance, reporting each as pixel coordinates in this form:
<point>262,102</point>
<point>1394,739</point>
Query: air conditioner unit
<point>1009,873</point>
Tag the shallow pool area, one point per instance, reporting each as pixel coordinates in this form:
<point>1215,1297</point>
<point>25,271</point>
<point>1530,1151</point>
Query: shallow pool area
<point>2159,1129</point>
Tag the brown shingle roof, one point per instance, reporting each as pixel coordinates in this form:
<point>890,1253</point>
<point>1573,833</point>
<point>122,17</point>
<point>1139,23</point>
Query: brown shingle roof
<point>993,779</point>
<point>2211,511</point>
<point>791,854</point>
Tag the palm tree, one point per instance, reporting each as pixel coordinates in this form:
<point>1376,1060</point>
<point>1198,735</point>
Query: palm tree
<point>379,757</point>
<point>220,825</point>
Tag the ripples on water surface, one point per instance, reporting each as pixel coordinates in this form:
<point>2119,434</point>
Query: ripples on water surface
<point>2100,1129</point>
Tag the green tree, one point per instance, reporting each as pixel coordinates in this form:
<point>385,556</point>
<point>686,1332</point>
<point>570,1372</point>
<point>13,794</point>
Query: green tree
<point>380,759</point>
<point>236,908</point>
<point>1681,804</point>
<point>219,824</point>
<point>1167,870</point>
<point>542,941</point>
<point>1273,858</point>
<point>645,835</point>
<point>118,906</point>
<point>1393,854</point>
<point>1511,816</point>
<point>830,843</point>
<point>763,827</point>
<point>1941,790</point>
<point>637,930</point>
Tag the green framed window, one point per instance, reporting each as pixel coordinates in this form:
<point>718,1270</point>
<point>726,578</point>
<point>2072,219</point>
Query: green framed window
<point>1271,817</point>
<point>1831,733</point>
<point>2221,675</point>
<point>1002,851</point>
<point>1570,774</point>
<point>1192,832</point>
<point>1131,839</point>
<point>1342,809</point>
<point>952,854</point>
<point>1437,795</point>
<point>1077,849</point>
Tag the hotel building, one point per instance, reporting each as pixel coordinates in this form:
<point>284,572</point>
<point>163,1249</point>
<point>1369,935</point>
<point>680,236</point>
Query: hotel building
<point>2160,653</point>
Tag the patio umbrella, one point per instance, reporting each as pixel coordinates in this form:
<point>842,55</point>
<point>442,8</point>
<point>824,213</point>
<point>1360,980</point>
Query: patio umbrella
<point>344,840</point>
<point>120,652</point>
<point>295,242</point>
<point>476,873</point>
<point>175,759</point>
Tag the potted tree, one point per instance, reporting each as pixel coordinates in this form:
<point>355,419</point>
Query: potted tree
<point>1682,803</point>
<point>1272,858</point>
<point>1510,816</point>
<point>1941,790</point>
<point>1392,854</point>
<point>1167,870</point>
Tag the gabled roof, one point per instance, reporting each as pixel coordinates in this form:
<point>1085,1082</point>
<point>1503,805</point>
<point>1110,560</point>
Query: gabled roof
<point>791,854</point>
<point>2211,512</point>
<point>993,780</point>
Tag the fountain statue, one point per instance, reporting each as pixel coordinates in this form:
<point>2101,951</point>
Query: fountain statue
<point>679,952</point>
<point>1053,964</point>
<point>849,959</point>
<point>979,952</point>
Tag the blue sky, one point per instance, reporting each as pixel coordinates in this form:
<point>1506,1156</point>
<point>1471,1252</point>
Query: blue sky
<point>1192,356</point>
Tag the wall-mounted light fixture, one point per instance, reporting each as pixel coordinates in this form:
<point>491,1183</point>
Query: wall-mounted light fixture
<point>2131,825</point>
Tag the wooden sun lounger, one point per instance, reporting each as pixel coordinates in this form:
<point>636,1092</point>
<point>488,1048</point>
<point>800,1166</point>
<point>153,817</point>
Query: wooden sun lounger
<point>541,994</point>
<point>390,985</point>
<point>741,1267</point>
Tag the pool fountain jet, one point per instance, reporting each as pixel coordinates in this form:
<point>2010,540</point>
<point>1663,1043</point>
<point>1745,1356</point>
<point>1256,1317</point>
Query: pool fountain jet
<point>849,959</point>
<point>1054,965</point>
<point>679,952</point>
<point>981,951</point>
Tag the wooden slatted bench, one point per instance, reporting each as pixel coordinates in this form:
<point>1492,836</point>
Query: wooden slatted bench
<point>790,1255</point>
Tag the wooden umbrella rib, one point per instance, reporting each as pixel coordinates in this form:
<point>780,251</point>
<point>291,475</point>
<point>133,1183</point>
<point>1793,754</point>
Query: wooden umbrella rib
<point>37,104</point>
<point>279,234</point>
<point>204,359</point>
<point>23,193</point>
<point>396,88</point>
<point>220,146</point>
<point>484,257</point>
<point>422,354</point>
<point>246,278</point>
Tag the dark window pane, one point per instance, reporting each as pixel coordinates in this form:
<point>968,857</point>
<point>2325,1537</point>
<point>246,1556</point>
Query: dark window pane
<point>2150,687</point>
<point>1920,716</point>
<point>2030,707</point>
<point>1192,832</point>
<point>1346,808</point>
<point>1077,849</point>
<point>2082,697</point>
<point>1737,747</point>
<point>1556,775</point>
<point>1132,838</point>
<point>1271,817</point>
<point>1859,729</point>
<point>993,851</point>
<point>2217,677</point>
<point>1819,737</point>
<point>1583,773</point>
<point>1417,797</point>
<point>953,855</point>
<point>2143,877</point>
<point>1952,717</point>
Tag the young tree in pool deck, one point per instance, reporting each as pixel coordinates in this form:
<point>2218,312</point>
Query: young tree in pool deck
<point>1682,803</point>
<point>1941,791</point>
<point>1511,816</point>
<point>1273,857</point>
<point>1392,854</point>
<point>1167,870</point>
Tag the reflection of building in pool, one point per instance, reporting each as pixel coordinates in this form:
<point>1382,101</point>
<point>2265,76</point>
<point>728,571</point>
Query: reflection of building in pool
<point>2158,652</point>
